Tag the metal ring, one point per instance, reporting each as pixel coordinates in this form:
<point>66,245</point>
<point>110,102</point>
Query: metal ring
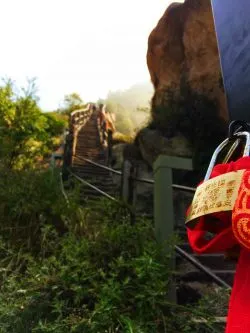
<point>223,145</point>
<point>242,126</point>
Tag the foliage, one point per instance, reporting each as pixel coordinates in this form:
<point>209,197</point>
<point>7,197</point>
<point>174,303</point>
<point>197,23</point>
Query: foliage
<point>137,96</point>
<point>215,302</point>
<point>56,123</point>
<point>71,103</point>
<point>130,106</point>
<point>123,122</point>
<point>29,199</point>
<point>80,269</point>
<point>143,109</point>
<point>122,138</point>
<point>26,134</point>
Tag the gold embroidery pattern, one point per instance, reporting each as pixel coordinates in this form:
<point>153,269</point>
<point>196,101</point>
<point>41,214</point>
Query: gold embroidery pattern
<point>241,212</point>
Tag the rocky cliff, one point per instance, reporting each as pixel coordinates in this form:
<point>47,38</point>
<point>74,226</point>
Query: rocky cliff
<point>189,105</point>
<point>182,49</point>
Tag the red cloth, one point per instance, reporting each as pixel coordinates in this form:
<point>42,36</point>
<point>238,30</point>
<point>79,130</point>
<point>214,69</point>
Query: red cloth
<point>241,212</point>
<point>239,307</point>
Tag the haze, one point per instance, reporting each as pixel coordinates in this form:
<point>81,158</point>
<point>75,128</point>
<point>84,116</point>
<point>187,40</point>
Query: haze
<point>84,46</point>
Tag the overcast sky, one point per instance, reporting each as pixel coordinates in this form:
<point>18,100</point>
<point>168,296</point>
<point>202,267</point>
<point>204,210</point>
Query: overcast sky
<point>84,46</point>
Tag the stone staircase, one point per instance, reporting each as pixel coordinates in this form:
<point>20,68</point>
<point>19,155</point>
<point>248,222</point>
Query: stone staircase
<point>88,146</point>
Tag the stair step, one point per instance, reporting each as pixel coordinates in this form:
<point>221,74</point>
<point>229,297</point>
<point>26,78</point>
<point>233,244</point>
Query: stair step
<point>212,261</point>
<point>91,191</point>
<point>96,178</point>
<point>196,275</point>
<point>216,261</point>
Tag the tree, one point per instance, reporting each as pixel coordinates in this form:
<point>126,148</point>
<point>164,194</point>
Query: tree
<point>56,123</point>
<point>123,122</point>
<point>25,132</point>
<point>131,107</point>
<point>71,103</point>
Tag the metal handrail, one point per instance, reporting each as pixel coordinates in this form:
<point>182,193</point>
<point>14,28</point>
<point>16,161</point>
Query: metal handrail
<point>175,186</point>
<point>201,267</point>
<point>92,186</point>
<point>184,188</point>
<point>121,203</point>
<point>142,180</point>
<point>98,165</point>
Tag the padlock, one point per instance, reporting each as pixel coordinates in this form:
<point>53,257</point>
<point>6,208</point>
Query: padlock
<point>214,200</point>
<point>219,193</point>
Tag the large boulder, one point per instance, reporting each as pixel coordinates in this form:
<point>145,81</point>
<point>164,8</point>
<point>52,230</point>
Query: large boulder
<point>182,50</point>
<point>151,144</point>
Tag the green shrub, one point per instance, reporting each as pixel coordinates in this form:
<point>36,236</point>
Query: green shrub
<point>30,200</point>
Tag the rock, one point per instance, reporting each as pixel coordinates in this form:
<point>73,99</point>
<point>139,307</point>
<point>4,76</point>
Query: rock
<point>125,151</point>
<point>117,156</point>
<point>151,144</point>
<point>182,50</point>
<point>132,153</point>
<point>144,191</point>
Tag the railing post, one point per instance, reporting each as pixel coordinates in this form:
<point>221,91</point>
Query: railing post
<point>163,202</point>
<point>128,188</point>
<point>52,162</point>
<point>67,156</point>
<point>132,192</point>
<point>109,148</point>
<point>126,170</point>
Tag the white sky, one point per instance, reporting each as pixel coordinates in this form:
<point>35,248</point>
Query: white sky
<point>84,46</point>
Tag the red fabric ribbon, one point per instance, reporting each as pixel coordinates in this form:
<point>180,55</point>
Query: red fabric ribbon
<point>229,229</point>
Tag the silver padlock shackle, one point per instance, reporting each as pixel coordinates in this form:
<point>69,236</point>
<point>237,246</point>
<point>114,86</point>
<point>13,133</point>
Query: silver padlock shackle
<point>223,145</point>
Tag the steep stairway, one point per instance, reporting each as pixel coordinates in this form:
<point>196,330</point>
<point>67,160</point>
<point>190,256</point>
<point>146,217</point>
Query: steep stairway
<point>192,283</point>
<point>88,146</point>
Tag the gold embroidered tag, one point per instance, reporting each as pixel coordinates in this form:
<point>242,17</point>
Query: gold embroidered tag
<point>216,195</point>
